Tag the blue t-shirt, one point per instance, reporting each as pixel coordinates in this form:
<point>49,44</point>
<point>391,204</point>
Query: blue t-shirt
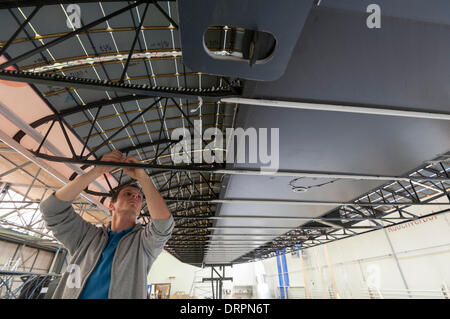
<point>97,285</point>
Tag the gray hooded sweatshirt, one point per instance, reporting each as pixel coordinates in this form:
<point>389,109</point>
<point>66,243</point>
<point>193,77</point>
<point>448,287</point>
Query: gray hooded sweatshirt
<point>134,255</point>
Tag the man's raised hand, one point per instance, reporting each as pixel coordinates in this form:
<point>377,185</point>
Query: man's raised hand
<point>136,173</point>
<point>72,190</point>
<point>114,156</point>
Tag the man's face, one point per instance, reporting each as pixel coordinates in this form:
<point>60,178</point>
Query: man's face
<point>129,201</point>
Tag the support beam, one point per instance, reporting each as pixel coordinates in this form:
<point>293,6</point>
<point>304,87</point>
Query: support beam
<point>269,227</point>
<point>21,27</point>
<point>24,171</point>
<point>312,218</point>
<point>12,170</point>
<point>294,202</point>
<point>217,279</point>
<point>173,23</point>
<point>339,108</point>
<point>32,3</point>
<point>104,85</point>
<point>252,172</point>
<point>137,31</point>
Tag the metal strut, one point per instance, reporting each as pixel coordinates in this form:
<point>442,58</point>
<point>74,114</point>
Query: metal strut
<point>68,36</point>
<point>214,169</point>
<point>93,84</point>
<point>31,3</point>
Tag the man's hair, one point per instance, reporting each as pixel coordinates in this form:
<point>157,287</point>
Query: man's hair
<point>115,192</point>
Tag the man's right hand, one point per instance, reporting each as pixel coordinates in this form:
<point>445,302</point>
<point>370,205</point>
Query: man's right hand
<point>72,190</point>
<point>114,156</point>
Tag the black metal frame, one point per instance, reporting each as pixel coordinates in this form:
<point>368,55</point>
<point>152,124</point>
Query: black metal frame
<point>68,36</point>
<point>92,84</point>
<point>21,27</point>
<point>5,4</point>
<point>217,291</point>
<point>347,231</point>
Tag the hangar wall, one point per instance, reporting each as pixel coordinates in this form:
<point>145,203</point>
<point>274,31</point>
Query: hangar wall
<point>21,258</point>
<point>365,266</point>
<point>416,265</point>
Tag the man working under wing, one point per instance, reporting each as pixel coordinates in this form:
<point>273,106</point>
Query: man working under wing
<point>112,261</point>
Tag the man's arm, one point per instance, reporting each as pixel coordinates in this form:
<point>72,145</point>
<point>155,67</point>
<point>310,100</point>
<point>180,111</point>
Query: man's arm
<point>156,205</point>
<point>158,232</point>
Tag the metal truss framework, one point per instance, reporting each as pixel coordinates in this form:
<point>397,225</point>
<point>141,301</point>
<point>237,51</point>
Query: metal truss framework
<point>21,214</point>
<point>115,85</point>
<point>164,100</point>
<point>383,207</point>
<point>343,221</point>
<point>192,191</point>
<point>217,280</point>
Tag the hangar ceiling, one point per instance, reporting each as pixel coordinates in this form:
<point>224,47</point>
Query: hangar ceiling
<point>113,76</point>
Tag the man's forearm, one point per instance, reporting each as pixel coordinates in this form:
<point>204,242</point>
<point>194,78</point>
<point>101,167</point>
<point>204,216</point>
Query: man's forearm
<point>72,190</point>
<point>155,203</point>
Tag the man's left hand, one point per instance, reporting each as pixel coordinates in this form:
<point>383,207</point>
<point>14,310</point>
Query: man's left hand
<point>136,173</point>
